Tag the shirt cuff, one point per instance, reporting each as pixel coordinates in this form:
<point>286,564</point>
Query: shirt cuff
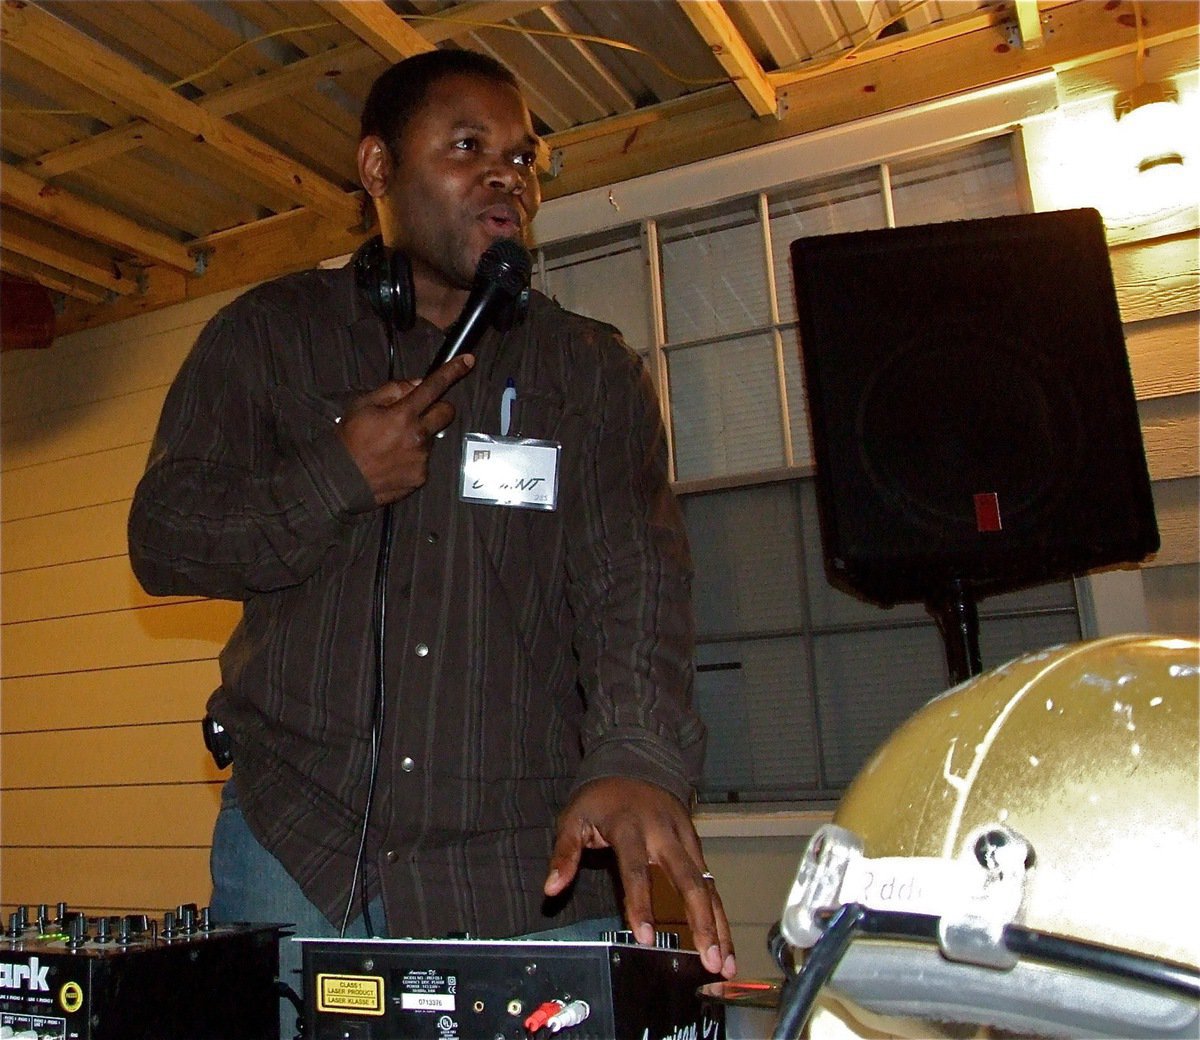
<point>336,477</point>
<point>643,758</point>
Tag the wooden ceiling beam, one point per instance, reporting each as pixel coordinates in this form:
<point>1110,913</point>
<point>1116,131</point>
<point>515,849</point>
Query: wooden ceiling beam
<point>26,245</point>
<point>709,19</point>
<point>20,189</point>
<point>293,241</point>
<point>891,46</point>
<point>91,150</point>
<point>470,17</point>
<point>45,38</point>
<point>379,27</point>
<point>299,75</point>
<point>56,281</point>
<point>296,76</point>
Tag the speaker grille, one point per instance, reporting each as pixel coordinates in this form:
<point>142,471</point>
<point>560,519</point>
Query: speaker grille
<point>972,410</point>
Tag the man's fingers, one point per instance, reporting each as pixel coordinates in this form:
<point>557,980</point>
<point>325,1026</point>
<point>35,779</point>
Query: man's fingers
<point>437,417</point>
<point>434,385</point>
<point>384,396</point>
<point>683,862</point>
<point>633,864</point>
<point>701,903</point>
<point>564,862</point>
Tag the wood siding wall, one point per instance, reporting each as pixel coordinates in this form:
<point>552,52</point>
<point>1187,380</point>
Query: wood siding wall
<point>108,796</point>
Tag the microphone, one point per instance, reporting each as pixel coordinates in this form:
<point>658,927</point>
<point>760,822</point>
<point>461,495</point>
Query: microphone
<point>501,276</point>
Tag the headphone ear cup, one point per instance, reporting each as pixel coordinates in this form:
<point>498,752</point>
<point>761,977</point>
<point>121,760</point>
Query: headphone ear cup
<point>397,292</point>
<point>385,277</point>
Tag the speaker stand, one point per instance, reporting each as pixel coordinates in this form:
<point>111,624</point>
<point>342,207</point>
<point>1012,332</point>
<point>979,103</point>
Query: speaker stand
<point>954,610</point>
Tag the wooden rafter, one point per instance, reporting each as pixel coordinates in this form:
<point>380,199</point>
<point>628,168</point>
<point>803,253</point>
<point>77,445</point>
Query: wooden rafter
<point>269,86</point>
<point>23,244</point>
<point>379,27</point>
<point>349,57</point>
<point>41,36</point>
<point>20,189</point>
<point>23,267</point>
<point>735,56</point>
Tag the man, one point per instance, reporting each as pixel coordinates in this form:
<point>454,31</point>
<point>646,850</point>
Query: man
<point>535,661</point>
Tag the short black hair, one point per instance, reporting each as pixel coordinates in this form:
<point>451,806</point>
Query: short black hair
<point>400,91</point>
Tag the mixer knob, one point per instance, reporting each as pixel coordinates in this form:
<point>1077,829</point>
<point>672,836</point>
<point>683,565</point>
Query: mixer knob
<point>169,931</point>
<point>23,917</point>
<point>43,917</point>
<point>206,924</point>
<point>14,925</point>
<point>186,914</point>
<point>124,938</point>
<point>103,930</point>
<point>61,918</point>
<point>77,931</point>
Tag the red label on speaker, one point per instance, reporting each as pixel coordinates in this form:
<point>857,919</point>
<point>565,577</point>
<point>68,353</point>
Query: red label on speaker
<point>987,512</point>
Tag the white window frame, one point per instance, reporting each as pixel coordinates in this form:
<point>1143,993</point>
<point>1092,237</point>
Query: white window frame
<point>1107,602</point>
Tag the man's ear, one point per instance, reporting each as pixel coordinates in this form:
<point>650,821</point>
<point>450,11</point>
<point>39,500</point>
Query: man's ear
<point>374,165</point>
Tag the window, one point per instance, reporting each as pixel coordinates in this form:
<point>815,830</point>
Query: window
<point>798,681</point>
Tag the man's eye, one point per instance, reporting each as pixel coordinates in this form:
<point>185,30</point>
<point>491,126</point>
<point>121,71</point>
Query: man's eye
<point>466,144</point>
<point>525,158</point>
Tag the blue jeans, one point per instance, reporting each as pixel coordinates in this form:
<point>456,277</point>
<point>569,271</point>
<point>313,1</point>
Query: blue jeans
<point>249,884</point>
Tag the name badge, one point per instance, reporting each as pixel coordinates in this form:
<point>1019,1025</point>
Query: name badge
<point>510,471</point>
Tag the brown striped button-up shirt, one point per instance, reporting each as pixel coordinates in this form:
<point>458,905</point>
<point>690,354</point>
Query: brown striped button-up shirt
<point>527,652</point>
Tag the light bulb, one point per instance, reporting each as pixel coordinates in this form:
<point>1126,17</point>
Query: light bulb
<point>1150,120</point>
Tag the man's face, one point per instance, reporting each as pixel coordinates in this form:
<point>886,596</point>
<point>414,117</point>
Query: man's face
<point>464,177</point>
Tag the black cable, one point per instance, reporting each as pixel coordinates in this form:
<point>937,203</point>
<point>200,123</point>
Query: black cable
<point>1106,960</point>
<point>286,992</point>
<point>800,990</point>
<point>379,626</point>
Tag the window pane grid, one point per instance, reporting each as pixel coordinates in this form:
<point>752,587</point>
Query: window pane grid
<point>798,680</point>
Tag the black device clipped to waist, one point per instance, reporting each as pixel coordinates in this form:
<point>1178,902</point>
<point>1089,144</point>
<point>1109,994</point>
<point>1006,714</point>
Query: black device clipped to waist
<point>218,742</point>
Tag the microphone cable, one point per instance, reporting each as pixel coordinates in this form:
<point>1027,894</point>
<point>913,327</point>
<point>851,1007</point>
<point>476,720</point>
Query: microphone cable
<point>379,627</point>
<point>501,275</point>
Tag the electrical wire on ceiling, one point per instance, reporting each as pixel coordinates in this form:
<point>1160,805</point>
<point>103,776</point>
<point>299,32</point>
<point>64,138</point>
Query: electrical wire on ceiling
<point>601,41</point>
<point>443,19</point>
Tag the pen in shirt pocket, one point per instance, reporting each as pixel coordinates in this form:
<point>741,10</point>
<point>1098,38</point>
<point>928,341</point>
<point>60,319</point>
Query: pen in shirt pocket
<point>506,402</point>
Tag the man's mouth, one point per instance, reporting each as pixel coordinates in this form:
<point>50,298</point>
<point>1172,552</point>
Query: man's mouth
<point>502,221</point>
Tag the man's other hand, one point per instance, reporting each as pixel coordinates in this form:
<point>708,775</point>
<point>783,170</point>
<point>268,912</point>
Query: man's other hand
<point>644,825</point>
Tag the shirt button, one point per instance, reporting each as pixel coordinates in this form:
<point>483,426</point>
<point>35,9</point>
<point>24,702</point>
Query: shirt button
<point>407,764</point>
<point>422,650</point>
<point>432,537</point>
<point>391,856</point>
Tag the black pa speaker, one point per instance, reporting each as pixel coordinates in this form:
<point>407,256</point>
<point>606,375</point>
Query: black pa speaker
<point>973,415</point>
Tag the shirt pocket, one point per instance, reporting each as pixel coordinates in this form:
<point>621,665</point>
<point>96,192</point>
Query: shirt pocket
<point>539,413</point>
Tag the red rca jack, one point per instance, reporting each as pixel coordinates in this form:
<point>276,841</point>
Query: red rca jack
<point>542,1013</point>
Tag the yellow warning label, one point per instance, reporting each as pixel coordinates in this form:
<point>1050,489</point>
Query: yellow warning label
<point>351,994</point>
<point>70,997</point>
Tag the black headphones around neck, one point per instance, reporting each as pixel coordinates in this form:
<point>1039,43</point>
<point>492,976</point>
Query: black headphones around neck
<point>385,277</point>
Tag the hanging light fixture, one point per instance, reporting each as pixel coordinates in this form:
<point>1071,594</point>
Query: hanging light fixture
<point>1149,116</point>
